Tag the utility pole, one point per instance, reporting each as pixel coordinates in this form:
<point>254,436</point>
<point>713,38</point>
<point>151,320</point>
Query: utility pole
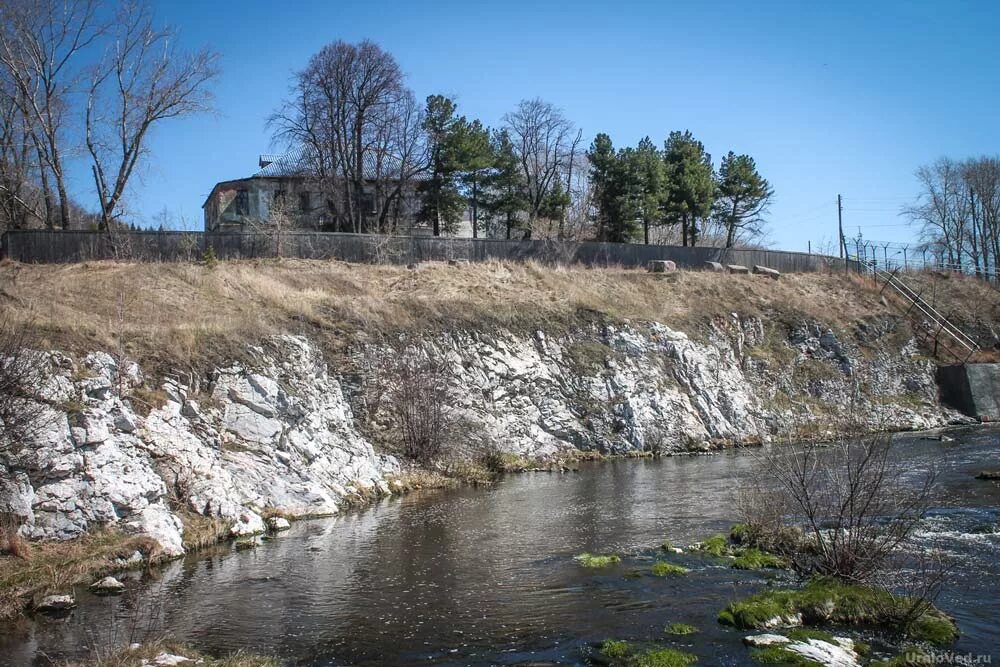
<point>840,226</point>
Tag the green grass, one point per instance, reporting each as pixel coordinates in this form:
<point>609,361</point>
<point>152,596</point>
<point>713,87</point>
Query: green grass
<point>802,634</point>
<point>755,559</point>
<point>620,653</point>
<point>662,657</point>
<point>779,655</point>
<point>664,569</point>
<point>592,560</point>
<point>830,601</point>
<point>680,629</point>
<point>717,545</point>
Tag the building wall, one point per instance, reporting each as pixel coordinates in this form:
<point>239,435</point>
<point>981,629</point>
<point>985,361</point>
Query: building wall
<point>248,204</point>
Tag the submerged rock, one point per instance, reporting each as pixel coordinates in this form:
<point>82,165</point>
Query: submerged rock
<point>168,660</point>
<point>765,640</point>
<point>107,586</point>
<point>53,604</point>
<point>278,523</point>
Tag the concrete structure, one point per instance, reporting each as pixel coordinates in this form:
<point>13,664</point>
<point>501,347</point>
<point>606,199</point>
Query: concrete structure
<point>972,388</point>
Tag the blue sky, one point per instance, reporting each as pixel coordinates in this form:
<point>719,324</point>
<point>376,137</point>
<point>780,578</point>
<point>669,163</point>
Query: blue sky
<point>845,98</point>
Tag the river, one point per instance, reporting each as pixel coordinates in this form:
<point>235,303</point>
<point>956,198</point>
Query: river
<point>482,576</point>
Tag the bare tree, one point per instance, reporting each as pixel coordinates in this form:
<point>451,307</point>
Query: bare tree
<point>543,140</point>
<point>41,44</point>
<point>958,212</point>
<point>354,120</point>
<point>141,81</point>
<point>20,202</point>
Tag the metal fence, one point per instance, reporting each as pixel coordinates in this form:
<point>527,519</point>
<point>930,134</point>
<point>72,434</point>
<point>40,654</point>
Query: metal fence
<point>46,246</point>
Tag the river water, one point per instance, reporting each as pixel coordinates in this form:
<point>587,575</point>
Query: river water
<point>483,576</point>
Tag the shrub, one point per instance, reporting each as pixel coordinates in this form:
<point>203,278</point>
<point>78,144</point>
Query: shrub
<point>417,396</point>
<point>22,415</point>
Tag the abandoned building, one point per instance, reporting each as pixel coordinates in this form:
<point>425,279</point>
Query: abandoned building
<point>283,193</point>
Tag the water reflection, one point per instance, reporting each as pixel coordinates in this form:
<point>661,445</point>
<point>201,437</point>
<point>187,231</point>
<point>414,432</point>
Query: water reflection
<point>479,576</point>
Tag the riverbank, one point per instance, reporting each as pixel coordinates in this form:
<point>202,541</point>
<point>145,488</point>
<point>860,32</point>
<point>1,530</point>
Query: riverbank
<point>169,654</point>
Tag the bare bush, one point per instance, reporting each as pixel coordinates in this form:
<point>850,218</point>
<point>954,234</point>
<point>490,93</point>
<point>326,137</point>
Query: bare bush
<point>848,500</point>
<point>416,395</point>
<point>21,374</point>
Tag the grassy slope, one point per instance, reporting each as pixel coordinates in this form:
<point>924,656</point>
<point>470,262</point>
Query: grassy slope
<point>188,315</point>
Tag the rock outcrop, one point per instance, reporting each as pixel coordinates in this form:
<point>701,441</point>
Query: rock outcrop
<point>277,432</point>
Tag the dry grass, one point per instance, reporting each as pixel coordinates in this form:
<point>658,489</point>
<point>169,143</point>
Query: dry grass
<point>185,315</point>
<point>55,567</point>
<point>203,531</point>
<point>142,655</point>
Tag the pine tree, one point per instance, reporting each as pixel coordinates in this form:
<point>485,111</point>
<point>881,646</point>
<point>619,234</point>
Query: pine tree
<point>743,197</point>
<point>441,202</point>
<point>690,184</point>
<point>476,158</point>
<point>503,186</point>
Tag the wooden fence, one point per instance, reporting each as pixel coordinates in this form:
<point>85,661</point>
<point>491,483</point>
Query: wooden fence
<point>45,246</point>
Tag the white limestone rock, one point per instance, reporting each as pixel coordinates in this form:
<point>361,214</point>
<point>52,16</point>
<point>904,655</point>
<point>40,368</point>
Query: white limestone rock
<point>53,604</point>
<point>825,653</point>
<point>107,586</point>
<point>766,640</point>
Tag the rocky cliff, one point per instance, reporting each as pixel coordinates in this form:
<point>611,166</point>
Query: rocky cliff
<point>281,431</point>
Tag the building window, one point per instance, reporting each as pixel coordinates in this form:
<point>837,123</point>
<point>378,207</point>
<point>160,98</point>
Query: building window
<point>304,202</point>
<point>279,197</point>
<point>242,202</point>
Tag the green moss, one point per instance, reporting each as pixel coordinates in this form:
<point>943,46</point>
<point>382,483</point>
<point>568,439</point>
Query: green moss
<point>592,560</point>
<point>801,634</point>
<point>755,559</point>
<point>664,569</point>
<point>662,657</point>
<point>615,648</point>
<point>779,655</point>
<point>680,629</point>
<point>717,545</point>
<point>827,600</point>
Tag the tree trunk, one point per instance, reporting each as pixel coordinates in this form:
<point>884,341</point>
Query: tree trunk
<point>475,209</point>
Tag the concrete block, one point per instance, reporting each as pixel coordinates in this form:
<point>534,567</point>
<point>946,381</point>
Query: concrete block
<point>736,268</point>
<point>765,271</point>
<point>715,267</point>
<point>972,388</point>
<point>661,266</point>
